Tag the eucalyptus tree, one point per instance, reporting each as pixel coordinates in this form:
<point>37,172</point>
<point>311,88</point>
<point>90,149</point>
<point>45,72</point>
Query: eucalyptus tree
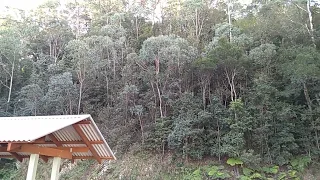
<point>264,57</point>
<point>11,52</point>
<point>61,97</point>
<point>192,19</point>
<point>129,94</point>
<point>139,12</point>
<point>78,54</point>
<point>51,30</point>
<point>186,136</point>
<point>172,16</point>
<point>195,11</point>
<point>107,51</point>
<point>305,7</point>
<point>230,59</point>
<point>138,110</point>
<point>301,66</point>
<point>164,59</point>
<point>29,100</point>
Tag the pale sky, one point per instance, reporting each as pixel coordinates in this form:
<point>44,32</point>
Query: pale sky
<point>30,4</point>
<point>21,4</point>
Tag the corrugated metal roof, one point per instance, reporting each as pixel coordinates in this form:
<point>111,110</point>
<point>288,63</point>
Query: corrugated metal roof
<point>31,128</point>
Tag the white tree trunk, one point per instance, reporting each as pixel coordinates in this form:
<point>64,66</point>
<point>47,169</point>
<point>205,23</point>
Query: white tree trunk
<point>310,23</point>
<point>80,97</point>
<point>11,80</point>
<point>229,21</point>
<point>160,99</point>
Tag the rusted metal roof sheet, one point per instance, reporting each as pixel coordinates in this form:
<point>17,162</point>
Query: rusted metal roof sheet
<point>29,129</point>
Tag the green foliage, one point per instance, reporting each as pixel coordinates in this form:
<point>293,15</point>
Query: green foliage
<point>247,171</point>
<point>250,159</point>
<point>271,170</point>
<point>293,174</point>
<point>217,172</point>
<point>196,175</point>
<point>80,171</point>
<point>300,163</point>
<point>158,138</point>
<point>282,175</point>
<point>234,161</point>
<point>7,168</point>
<point>185,81</point>
<point>208,172</point>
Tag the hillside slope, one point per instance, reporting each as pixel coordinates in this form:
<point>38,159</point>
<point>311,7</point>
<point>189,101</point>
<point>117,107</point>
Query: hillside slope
<point>145,166</point>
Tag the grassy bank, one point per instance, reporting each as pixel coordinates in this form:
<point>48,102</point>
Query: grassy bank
<point>145,166</point>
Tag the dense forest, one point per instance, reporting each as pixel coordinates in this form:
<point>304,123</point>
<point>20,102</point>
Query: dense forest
<point>197,78</point>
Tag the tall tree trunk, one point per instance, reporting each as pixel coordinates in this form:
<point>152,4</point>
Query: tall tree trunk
<point>81,78</point>
<point>229,21</point>
<point>141,128</point>
<point>310,23</point>
<point>233,84</point>
<point>80,96</point>
<point>219,140</point>
<point>155,101</point>
<point>127,100</point>
<point>196,23</point>
<point>233,94</point>
<point>160,99</point>
<point>137,28</point>
<point>35,106</point>
<point>306,95</point>
<point>308,99</point>
<point>204,96</point>
<point>78,21</point>
<point>11,80</point>
<point>114,65</point>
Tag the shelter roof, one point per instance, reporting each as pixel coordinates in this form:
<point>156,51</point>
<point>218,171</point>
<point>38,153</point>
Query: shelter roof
<point>66,136</point>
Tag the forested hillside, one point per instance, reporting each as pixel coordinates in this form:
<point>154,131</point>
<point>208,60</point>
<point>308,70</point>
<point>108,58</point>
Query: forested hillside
<point>194,78</point>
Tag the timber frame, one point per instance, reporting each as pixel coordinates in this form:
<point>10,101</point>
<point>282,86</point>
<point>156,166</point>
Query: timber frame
<point>77,137</point>
<point>52,147</point>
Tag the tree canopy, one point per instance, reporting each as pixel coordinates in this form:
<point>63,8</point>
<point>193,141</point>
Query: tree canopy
<point>197,78</point>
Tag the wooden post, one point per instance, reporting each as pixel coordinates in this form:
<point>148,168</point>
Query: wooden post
<point>32,168</point>
<point>55,168</point>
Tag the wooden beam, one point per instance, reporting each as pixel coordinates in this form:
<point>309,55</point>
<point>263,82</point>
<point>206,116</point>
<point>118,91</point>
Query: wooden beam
<point>55,140</point>
<point>91,157</point>
<point>44,158</point>
<point>84,122</point>
<point>87,142</point>
<point>73,158</point>
<point>17,156</point>
<point>13,146</point>
<point>8,156</point>
<point>73,149</point>
<point>69,149</point>
<point>70,142</point>
<point>33,149</point>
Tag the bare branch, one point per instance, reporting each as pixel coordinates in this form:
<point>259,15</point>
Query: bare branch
<point>145,69</point>
<point>6,71</point>
<point>300,7</point>
<point>4,84</point>
<point>304,25</point>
